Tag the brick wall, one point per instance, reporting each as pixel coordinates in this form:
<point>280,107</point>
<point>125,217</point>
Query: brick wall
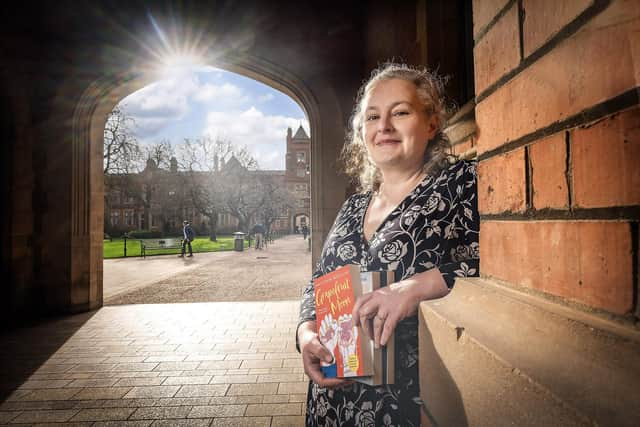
<point>558,143</point>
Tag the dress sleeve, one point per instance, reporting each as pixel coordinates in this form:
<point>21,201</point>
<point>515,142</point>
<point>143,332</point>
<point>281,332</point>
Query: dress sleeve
<point>461,256</point>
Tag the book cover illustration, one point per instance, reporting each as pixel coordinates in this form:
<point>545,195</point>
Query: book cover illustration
<point>335,296</point>
<point>354,355</point>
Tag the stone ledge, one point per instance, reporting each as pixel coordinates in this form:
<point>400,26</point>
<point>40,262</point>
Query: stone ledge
<point>490,355</point>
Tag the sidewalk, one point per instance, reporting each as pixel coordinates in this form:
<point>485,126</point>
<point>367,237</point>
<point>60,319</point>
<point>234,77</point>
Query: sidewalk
<point>179,364</point>
<point>277,273</point>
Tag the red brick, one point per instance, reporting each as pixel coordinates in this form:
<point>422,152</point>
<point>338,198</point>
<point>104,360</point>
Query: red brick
<point>498,51</point>
<point>548,159</point>
<point>462,147</point>
<point>484,11</point>
<point>585,262</point>
<point>544,18</point>
<point>594,65</point>
<point>605,160</point>
<point>501,183</point>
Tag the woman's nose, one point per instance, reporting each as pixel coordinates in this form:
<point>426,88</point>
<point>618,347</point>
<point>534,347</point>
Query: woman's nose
<point>384,123</point>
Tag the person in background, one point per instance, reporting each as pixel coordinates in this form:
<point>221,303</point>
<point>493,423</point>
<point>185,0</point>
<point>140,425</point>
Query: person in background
<point>258,231</point>
<point>415,214</point>
<point>188,237</point>
<point>305,231</point>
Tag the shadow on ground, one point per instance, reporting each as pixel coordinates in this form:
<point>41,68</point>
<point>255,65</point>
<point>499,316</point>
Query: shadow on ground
<point>25,351</point>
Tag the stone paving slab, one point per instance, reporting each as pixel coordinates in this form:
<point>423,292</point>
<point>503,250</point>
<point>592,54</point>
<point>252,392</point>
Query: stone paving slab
<point>177,388</point>
<point>277,273</point>
<point>225,363</point>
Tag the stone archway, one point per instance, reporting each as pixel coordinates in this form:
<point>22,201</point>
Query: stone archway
<point>89,119</point>
<point>299,220</point>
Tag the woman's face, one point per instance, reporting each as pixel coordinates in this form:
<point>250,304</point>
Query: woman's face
<point>396,128</point>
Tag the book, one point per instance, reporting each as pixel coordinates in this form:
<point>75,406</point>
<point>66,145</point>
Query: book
<point>354,355</point>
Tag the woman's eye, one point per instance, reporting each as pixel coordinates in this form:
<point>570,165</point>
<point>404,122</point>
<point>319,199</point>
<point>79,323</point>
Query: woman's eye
<point>372,117</point>
<point>400,113</point>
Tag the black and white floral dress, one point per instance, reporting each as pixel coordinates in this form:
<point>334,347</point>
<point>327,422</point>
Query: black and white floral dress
<point>436,225</point>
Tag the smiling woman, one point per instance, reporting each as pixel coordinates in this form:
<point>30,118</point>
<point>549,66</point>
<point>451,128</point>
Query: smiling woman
<point>422,92</point>
<point>416,215</point>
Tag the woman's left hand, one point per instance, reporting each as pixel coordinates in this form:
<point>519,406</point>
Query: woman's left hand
<point>380,311</point>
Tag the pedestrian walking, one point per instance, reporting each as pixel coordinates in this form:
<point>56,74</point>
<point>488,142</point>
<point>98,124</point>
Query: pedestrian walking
<point>188,237</point>
<point>258,231</point>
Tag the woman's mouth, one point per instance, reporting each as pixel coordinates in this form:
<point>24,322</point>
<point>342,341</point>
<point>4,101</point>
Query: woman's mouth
<point>387,142</point>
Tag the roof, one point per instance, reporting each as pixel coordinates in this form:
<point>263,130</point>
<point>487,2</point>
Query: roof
<point>231,164</point>
<point>270,172</point>
<point>300,134</point>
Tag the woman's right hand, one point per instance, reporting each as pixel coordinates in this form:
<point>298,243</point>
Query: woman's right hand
<point>312,352</point>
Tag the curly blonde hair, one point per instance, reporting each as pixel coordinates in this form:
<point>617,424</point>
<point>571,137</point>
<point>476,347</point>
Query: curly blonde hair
<point>430,89</point>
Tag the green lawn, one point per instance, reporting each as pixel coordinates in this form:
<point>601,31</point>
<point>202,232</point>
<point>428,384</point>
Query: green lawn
<point>115,248</point>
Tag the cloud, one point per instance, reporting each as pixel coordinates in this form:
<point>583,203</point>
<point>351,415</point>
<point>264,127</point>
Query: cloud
<point>174,108</point>
<point>225,95</point>
<point>161,104</point>
<point>265,98</point>
<point>165,98</point>
<point>265,136</point>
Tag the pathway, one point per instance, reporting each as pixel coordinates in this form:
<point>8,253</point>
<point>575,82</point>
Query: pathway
<point>169,364</point>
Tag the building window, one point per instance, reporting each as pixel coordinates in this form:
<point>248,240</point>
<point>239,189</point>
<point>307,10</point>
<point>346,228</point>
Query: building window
<point>128,217</point>
<point>300,156</point>
<point>300,173</point>
<point>301,187</point>
<point>115,218</point>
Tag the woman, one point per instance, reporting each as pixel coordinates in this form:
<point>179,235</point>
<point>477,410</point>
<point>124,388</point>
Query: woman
<point>415,214</point>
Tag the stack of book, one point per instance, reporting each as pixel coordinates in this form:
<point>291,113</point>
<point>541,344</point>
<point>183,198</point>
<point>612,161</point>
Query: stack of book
<point>354,354</point>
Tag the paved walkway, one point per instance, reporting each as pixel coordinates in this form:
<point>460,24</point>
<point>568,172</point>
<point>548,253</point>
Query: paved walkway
<point>180,364</point>
<point>277,273</point>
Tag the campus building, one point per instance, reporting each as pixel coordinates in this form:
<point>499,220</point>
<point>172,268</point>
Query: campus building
<point>159,199</point>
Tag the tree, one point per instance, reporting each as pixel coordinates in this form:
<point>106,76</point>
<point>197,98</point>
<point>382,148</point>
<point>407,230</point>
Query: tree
<point>121,149</point>
<point>151,186</point>
<point>121,153</point>
<point>241,187</point>
<point>161,153</point>
<point>276,201</point>
<point>201,160</point>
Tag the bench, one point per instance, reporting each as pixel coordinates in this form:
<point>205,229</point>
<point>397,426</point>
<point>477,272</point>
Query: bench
<point>147,245</point>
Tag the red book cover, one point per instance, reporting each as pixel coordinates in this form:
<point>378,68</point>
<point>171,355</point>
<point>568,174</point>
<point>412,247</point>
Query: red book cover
<point>335,295</point>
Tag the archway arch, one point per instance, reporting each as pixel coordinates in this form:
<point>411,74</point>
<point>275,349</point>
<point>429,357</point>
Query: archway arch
<point>87,213</point>
<point>299,220</point>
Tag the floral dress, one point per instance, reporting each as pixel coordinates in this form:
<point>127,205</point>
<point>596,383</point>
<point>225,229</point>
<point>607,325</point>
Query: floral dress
<point>436,225</point>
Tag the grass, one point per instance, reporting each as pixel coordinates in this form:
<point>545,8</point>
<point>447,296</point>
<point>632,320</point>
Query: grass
<point>115,248</point>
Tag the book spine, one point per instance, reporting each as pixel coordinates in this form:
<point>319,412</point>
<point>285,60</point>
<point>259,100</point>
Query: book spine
<point>388,351</point>
<point>359,287</point>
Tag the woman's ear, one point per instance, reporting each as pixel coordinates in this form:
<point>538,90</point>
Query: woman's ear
<point>433,126</point>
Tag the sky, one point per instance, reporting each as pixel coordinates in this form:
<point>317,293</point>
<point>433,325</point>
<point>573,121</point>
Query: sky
<point>201,101</point>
